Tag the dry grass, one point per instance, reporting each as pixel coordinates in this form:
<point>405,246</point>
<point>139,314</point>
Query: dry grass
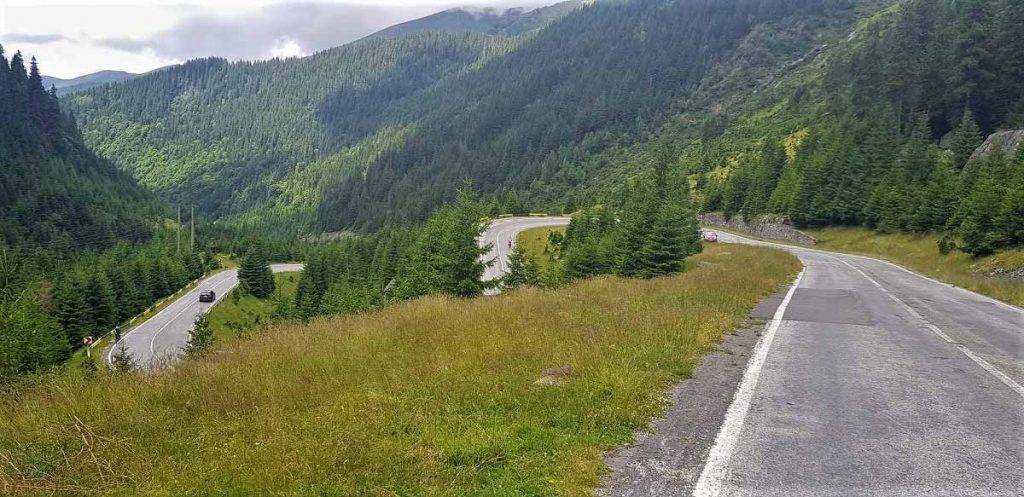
<point>430,397</point>
<point>921,253</point>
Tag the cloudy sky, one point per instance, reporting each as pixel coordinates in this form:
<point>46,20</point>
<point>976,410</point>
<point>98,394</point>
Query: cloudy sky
<point>75,37</point>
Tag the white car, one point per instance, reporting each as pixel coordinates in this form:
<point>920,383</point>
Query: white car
<point>710,236</point>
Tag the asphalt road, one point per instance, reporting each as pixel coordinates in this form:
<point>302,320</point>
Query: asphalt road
<point>163,337</point>
<point>878,381</point>
<point>501,235</point>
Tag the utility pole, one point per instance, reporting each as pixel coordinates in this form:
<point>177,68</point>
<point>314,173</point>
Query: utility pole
<point>177,232</point>
<point>192,244</point>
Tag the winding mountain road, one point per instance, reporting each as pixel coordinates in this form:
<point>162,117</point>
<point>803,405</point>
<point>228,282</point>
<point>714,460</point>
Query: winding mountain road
<point>501,235</point>
<point>163,337</point>
<point>870,380</point>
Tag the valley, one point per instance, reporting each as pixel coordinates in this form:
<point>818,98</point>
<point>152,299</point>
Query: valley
<point>471,253</point>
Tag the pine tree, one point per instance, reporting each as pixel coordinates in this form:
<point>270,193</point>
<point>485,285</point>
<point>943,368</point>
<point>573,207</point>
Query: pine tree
<point>122,361</point>
<point>1010,220</point>
<point>30,339</point>
<point>446,258</point>
<point>522,270</point>
<point>255,274</point>
<point>71,309</point>
<point>938,199</point>
<point>966,139</point>
<point>99,300</point>
<point>915,159</point>
<point>664,247</point>
<point>200,338</point>
<point>634,256</point>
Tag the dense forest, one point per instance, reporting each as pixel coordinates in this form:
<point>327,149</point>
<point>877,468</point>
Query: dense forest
<point>258,142</point>
<point>856,112</point>
<point>55,194</point>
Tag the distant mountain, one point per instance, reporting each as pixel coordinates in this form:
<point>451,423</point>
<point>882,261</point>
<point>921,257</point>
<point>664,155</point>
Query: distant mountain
<point>510,22</point>
<point>73,85</point>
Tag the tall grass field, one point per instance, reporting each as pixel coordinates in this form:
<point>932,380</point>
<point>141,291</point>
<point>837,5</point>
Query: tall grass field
<point>433,397</point>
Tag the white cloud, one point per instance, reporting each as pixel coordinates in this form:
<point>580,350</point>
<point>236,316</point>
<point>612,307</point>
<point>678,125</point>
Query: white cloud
<point>286,47</point>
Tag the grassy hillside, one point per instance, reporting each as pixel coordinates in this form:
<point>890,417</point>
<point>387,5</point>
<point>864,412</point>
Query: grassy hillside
<point>241,313</point>
<point>537,245</point>
<point>436,396</point>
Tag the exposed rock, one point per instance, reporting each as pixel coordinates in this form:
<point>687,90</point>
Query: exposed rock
<point>1006,142</point>
<point>773,227</point>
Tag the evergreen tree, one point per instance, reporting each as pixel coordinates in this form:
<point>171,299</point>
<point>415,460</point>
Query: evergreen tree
<point>634,254</point>
<point>446,258</point>
<point>938,199</point>
<point>71,309</point>
<point>200,338</point>
<point>99,300</point>
<point>30,339</point>
<point>664,248</point>
<point>966,139</point>
<point>1010,220</point>
<point>255,275</point>
<point>522,270</point>
<point>122,361</point>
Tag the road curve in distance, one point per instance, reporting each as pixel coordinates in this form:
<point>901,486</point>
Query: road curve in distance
<point>162,338</point>
<point>501,236</point>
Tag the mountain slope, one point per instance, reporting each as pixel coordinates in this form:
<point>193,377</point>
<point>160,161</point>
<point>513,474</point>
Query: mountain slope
<point>82,83</point>
<point>874,128</point>
<point>54,192</point>
<point>416,115</point>
<point>519,127</point>
<point>242,138</point>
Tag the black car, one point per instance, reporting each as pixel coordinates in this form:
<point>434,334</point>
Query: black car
<point>207,296</point>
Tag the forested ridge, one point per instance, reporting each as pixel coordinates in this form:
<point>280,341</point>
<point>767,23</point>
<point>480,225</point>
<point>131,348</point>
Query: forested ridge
<point>237,138</point>
<point>879,130</point>
<point>55,193</point>
<point>419,114</point>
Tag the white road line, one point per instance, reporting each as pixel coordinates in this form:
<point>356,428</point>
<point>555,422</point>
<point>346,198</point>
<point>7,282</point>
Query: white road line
<point>717,465</point>
<point>152,341</point>
<point>998,302</point>
<point>124,339</point>
<point>999,375</point>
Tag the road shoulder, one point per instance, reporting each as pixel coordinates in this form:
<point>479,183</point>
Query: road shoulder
<point>668,459</point>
